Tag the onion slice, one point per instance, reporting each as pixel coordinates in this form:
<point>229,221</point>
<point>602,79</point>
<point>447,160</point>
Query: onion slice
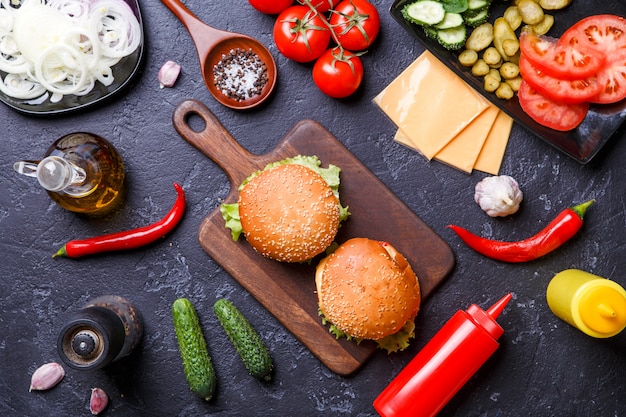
<point>63,47</point>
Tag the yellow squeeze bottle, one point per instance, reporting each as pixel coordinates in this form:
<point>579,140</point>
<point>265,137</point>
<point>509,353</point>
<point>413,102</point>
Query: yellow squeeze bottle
<point>592,304</point>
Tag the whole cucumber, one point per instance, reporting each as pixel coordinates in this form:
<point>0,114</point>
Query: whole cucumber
<point>245,339</point>
<point>197,364</point>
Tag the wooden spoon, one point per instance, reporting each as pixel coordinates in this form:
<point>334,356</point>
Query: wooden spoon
<point>212,44</point>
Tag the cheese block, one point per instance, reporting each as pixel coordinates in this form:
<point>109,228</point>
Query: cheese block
<point>492,153</point>
<point>430,104</point>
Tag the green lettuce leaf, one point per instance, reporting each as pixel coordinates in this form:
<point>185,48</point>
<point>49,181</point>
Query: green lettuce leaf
<point>393,343</point>
<point>230,212</point>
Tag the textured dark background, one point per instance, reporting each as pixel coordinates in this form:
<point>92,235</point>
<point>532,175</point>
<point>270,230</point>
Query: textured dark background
<point>543,368</point>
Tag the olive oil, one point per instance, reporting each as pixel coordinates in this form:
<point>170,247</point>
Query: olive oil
<point>81,172</point>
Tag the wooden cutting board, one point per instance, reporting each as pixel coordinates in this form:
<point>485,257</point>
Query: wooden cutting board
<point>288,290</point>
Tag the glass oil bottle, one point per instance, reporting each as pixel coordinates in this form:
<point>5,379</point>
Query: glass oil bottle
<point>81,172</point>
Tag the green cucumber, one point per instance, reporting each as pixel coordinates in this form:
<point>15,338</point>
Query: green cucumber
<point>452,38</point>
<point>478,18</point>
<point>451,20</point>
<point>478,4</point>
<point>245,339</point>
<point>197,364</point>
<point>424,12</point>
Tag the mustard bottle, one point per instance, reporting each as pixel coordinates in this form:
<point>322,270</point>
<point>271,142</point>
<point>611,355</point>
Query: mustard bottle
<point>592,304</point>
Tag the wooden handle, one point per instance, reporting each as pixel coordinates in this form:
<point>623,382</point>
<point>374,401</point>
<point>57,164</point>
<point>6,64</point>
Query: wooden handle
<point>204,36</point>
<point>215,142</point>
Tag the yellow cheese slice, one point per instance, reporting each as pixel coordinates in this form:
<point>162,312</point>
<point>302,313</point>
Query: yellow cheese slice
<point>430,104</point>
<point>492,153</point>
<point>462,151</point>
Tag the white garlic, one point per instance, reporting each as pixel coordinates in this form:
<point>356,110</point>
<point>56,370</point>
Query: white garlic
<point>498,196</point>
<point>98,401</point>
<point>46,376</point>
<point>168,74</point>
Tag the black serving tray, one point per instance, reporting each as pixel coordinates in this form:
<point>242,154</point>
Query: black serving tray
<point>124,73</point>
<point>601,122</point>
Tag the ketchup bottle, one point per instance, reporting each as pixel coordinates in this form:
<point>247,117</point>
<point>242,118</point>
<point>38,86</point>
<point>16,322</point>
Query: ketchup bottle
<point>444,365</point>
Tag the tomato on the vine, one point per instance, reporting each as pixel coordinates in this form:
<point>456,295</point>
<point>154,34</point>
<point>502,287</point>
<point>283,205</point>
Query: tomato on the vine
<point>548,113</point>
<point>301,34</point>
<point>607,34</point>
<point>270,6</point>
<point>338,73</point>
<point>322,6</point>
<point>571,61</point>
<point>564,91</point>
<point>356,24</point>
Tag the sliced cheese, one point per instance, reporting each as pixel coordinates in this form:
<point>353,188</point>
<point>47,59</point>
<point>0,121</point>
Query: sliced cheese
<point>430,104</point>
<point>462,151</point>
<point>492,153</point>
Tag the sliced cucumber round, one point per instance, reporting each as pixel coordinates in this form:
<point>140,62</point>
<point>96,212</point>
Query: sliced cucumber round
<point>424,12</point>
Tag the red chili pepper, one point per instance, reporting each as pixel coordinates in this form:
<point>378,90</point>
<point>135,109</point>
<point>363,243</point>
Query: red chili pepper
<point>557,232</point>
<point>129,239</point>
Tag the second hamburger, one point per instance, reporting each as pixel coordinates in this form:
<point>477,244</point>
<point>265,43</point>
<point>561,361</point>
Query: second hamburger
<point>367,290</point>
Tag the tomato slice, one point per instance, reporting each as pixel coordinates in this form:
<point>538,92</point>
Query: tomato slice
<point>556,89</point>
<point>612,79</point>
<point>549,113</point>
<point>571,61</point>
<point>606,33</point>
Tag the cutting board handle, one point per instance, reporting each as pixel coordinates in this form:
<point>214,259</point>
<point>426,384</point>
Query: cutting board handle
<point>215,141</point>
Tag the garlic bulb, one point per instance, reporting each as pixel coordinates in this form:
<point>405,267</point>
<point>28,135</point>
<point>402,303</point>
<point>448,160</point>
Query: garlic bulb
<point>498,196</point>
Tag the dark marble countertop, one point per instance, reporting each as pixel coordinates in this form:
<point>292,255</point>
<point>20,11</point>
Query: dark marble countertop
<point>544,367</point>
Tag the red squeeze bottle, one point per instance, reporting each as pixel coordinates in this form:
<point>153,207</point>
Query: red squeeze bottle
<point>444,365</point>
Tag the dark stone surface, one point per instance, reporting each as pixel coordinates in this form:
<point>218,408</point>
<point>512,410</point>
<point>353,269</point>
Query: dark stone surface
<point>543,368</point>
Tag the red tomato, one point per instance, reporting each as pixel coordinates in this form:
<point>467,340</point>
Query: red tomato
<point>566,61</point>
<point>612,79</point>
<point>604,33</point>
<point>301,34</point>
<point>565,91</point>
<point>322,6</point>
<point>356,24</point>
<point>270,6</point>
<point>338,74</point>
<point>607,34</point>
<point>548,113</point>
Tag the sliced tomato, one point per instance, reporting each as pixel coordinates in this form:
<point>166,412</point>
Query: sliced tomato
<point>612,79</point>
<point>549,113</point>
<point>566,61</point>
<point>565,91</point>
<point>604,33</point>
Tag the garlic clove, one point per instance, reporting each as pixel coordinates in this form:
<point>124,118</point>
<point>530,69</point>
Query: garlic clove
<point>98,401</point>
<point>168,74</point>
<point>46,376</point>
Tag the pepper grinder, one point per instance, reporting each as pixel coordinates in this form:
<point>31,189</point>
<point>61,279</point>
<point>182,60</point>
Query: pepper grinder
<point>104,330</point>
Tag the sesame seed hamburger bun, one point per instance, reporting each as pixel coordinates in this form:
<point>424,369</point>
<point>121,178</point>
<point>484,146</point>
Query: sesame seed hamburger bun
<point>368,290</point>
<point>289,213</point>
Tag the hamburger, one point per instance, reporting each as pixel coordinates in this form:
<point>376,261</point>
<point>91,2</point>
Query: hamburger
<point>368,291</point>
<point>289,211</point>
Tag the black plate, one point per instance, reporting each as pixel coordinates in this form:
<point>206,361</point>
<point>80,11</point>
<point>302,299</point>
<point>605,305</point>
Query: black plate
<point>124,73</point>
<point>601,122</point>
